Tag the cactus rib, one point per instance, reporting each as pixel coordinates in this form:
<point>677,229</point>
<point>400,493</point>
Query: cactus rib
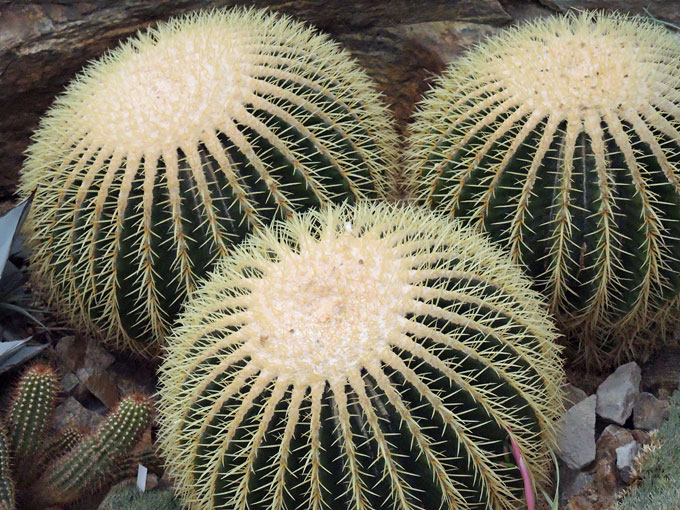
<point>559,138</point>
<point>171,148</point>
<point>367,357</point>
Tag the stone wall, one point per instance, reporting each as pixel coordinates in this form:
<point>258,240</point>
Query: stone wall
<point>401,43</point>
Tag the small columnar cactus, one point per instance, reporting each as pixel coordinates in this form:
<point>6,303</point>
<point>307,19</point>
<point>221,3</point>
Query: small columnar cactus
<point>69,476</point>
<point>47,471</point>
<point>560,139</point>
<point>6,483</point>
<point>361,357</point>
<point>29,417</point>
<point>171,148</point>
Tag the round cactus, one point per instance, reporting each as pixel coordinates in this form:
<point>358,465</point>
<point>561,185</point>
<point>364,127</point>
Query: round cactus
<point>560,139</point>
<point>360,357</point>
<point>168,150</point>
<point>6,483</point>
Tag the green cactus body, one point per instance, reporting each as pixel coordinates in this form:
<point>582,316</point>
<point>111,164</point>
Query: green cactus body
<point>29,417</point>
<point>6,483</point>
<point>90,461</point>
<point>560,139</point>
<point>126,496</point>
<point>365,357</point>
<point>63,443</point>
<point>168,150</point>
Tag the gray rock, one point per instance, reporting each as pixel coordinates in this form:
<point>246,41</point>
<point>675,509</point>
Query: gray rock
<point>69,382</point>
<point>71,413</point>
<point>576,439</point>
<point>649,412</point>
<point>625,461</point>
<point>572,482</point>
<point>616,395</point>
<point>573,395</point>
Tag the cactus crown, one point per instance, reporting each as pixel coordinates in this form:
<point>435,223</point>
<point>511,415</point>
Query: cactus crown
<point>354,355</point>
<point>560,139</point>
<point>171,148</point>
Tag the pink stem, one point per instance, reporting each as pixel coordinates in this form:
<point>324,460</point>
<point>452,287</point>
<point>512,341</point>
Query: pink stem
<point>528,491</point>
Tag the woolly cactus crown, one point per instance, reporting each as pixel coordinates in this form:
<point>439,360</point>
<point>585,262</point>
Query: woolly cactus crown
<point>560,139</point>
<point>171,148</point>
<point>361,358</point>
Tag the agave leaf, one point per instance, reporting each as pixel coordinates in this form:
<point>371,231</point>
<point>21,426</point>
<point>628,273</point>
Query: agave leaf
<point>17,352</point>
<point>10,224</point>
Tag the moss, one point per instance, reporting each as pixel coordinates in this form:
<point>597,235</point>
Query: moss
<point>659,488</point>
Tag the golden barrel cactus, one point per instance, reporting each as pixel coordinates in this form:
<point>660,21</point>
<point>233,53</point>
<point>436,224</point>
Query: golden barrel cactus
<point>560,138</point>
<point>171,148</point>
<point>365,357</point>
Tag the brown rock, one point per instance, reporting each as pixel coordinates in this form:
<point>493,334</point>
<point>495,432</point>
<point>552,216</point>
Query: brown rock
<point>649,412</point>
<point>642,437</point>
<point>101,385</point>
<point>70,351</point>
<point>612,438</point>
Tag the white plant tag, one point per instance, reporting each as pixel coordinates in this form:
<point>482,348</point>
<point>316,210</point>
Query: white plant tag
<point>141,478</point>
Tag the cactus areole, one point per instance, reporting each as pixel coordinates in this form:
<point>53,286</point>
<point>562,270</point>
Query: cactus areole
<point>168,150</point>
<point>561,139</point>
<point>364,357</point>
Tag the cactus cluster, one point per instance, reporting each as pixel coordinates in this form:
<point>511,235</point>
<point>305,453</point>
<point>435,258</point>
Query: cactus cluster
<point>56,471</point>
<point>560,139</point>
<point>360,357</point>
<point>168,150</point>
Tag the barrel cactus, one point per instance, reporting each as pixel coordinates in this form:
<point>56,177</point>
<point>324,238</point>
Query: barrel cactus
<point>560,139</point>
<point>362,357</point>
<point>168,150</point>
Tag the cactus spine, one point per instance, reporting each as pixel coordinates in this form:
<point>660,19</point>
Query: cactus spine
<point>171,148</point>
<point>89,462</point>
<point>560,139</point>
<point>6,483</point>
<point>361,357</point>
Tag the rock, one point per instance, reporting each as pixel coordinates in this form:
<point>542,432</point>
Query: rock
<point>573,395</point>
<point>69,382</point>
<point>649,412</point>
<point>101,385</point>
<point>96,357</point>
<point>625,461</point>
<point>71,413</point>
<point>661,374</point>
<point>70,351</point>
<point>616,395</point>
<point>572,483</point>
<point>151,481</point>
<point>611,438</point>
<point>576,440</point>
<point>642,437</point>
